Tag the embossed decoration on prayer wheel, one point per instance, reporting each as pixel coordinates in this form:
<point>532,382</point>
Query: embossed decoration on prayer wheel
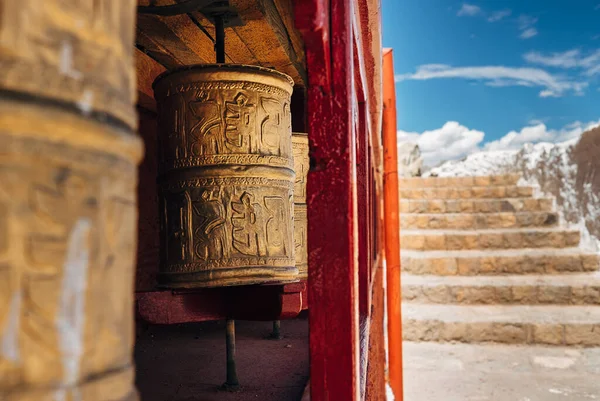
<point>226,176</point>
<point>301,165</point>
<point>300,239</point>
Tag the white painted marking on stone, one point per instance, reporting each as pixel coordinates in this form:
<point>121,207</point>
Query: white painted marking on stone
<point>70,322</point>
<point>554,362</point>
<point>86,101</point>
<point>66,61</point>
<point>9,348</point>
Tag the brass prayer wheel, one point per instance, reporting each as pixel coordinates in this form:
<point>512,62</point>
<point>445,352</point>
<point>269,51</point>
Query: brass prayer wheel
<point>226,176</point>
<point>301,167</point>
<point>68,212</point>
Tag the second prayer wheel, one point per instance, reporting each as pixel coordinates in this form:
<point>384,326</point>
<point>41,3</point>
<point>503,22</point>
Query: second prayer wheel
<point>226,176</point>
<point>301,167</point>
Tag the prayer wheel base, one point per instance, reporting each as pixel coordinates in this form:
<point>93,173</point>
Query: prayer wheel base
<point>229,277</point>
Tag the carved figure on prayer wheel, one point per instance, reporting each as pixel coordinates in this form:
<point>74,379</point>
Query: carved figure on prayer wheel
<point>226,176</point>
<point>301,166</point>
<point>68,215</point>
<point>300,239</point>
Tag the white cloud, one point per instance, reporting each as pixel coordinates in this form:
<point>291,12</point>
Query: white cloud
<point>451,141</point>
<point>454,141</point>
<point>498,15</point>
<point>566,59</point>
<point>469,10</point>
<point>589,63</point>
<point>540,133</point>
<point>526,26</point>
<point>549,93</point>
<point>551,85</point>
<point>528,33</point>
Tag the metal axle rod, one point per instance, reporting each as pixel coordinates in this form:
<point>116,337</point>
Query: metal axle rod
<point>232,382</point>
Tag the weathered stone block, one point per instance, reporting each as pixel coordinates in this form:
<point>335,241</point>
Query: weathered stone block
<point>509,333</point>
<point>466,206</point>
<point>491,241</point>
<point>585,295</point>
<point>524,294</point>
<point>511,205</point>
<point>438,294</point>
<point>582,334</point>
<point>435,242</point>
<point>437,206</point>
<point>554,294</point>
<point>468,266</point>
<point>443,266</point>
<point>415,242</point>
<point>482,181</point>
<point>590,262</point>
<point>458,241</point>
<point>524,191</point>
<point>411,293</point>
<point>455,331</point>
<point>550,334</point>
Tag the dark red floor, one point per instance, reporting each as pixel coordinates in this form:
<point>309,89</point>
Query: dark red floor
<point>187,362</point>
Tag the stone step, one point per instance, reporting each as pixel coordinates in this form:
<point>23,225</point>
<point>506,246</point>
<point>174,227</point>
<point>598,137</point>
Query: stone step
<point>513,324</point>
<point>473,221</point>
<point>499,262</point>
<point>431,240</point>
<point>480,181</point>
<point>565,289</point>
<point>476,205</point>
<point>489,192</point>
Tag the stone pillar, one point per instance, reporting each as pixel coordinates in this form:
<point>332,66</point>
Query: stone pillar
<point>68,156</point>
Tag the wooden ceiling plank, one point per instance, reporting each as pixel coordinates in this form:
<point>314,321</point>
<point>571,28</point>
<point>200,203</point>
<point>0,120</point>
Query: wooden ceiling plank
<point>177,33</point>
<point>156,50</point>
<point>285,8</point>
<point>268,37</point>
<point>147,70</point>
<point>163,37</point>
<point>265,35</point>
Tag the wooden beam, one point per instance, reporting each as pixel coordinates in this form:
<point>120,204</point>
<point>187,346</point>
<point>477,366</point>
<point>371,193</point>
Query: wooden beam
<point>265,34</point>
<point>147,71</point>
<point>176,36</point>
<point>285,8</point>
<point>268,37</point>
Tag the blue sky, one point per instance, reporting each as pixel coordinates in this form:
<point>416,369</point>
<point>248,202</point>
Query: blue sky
<point>493,74</point>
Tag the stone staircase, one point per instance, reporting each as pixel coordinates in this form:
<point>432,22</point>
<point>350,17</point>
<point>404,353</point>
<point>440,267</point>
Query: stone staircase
<point>485,261</point>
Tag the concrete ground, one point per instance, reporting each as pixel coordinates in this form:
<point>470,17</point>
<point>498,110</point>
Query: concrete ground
<point>186,362</point>
<point>476,372</point>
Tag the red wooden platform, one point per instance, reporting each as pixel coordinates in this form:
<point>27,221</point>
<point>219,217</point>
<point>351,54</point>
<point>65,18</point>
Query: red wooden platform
<point>256,302</point>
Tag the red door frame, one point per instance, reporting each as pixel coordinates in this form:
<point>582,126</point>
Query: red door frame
<point>344,110</point>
